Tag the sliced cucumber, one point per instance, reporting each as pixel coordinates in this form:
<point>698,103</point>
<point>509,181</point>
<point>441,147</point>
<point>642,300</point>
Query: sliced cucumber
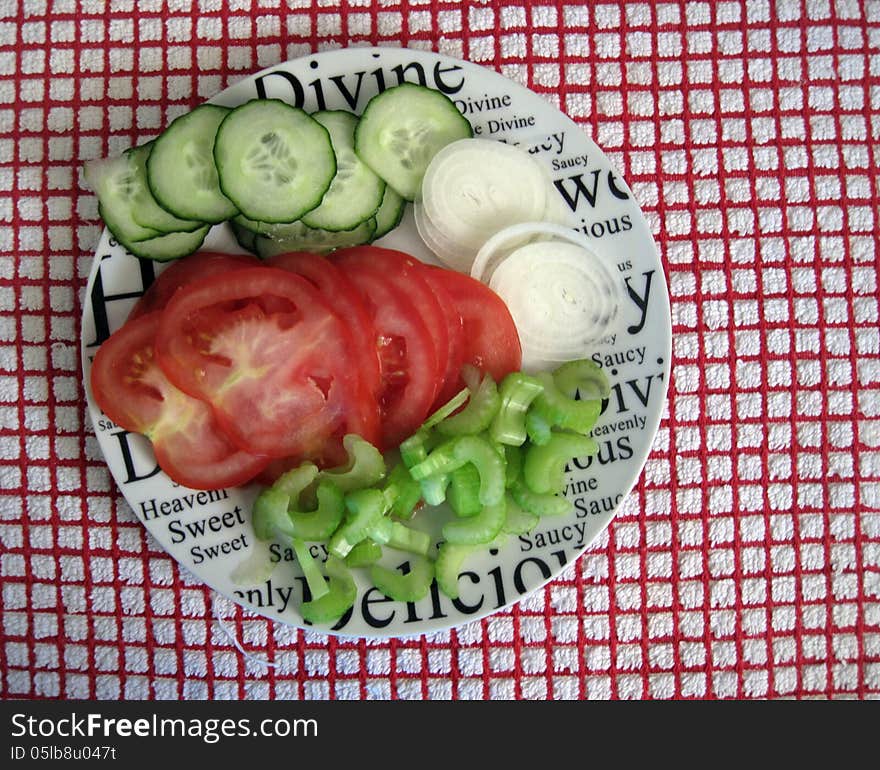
<point>390,212</point>
<point>169,246</point>
<point>245,238</point>
<point>355,193</point>
<point>181,171</point>
<point>274,161</point>
<point>310,239</point>
<point>146,211</point>
<point>402,129</point>
<point>115,184</point>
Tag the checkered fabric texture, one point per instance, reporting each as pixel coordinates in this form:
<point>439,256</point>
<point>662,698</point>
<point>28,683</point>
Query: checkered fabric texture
<point>745,563</point>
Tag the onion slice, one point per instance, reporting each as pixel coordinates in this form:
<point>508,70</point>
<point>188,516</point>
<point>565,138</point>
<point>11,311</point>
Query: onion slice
<point>473,188</point>
<point>561,296</point>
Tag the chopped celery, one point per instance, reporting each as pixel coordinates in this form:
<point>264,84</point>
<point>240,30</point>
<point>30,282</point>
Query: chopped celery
<point>489,464</point>
<point>544,466</point>
<point>463,494</point>
<point>311,571</point>
<point>447,568</point>
<point>338,600</point>
<point>479,529</point>
<point>364,554</point>
<point>365,465</point>
<point>513,456</point>
<point>402,492</point>
<point>496,453</point>
<point>564,411</point>
<point>575,377</point>
<point>539,504</point>
<point>517,392</point>
<point>517,520</point>
<point>322,522</point>
<point>405,538</point>
<point>296,480</point>
<point>270,517</point>
<point>365,508</point>
<point>409,587</point>
<point>477,414</point>
<point>434,489</point>
<point>450,407</point>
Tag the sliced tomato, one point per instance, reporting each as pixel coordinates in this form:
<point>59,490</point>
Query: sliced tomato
<point>132,390</point>
<point>404,273</point>
<point>346,300</point>
<point>410,366</point>
<point>183,271</point>
<point>268,353</point>
<point>455,328</point>
<point>491,341</point>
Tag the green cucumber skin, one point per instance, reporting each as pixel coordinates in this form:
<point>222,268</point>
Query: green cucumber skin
<point>172,200</point>
<point>227,154</point>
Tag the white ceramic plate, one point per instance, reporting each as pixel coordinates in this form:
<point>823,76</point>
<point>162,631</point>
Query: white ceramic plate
<point>210,533</point>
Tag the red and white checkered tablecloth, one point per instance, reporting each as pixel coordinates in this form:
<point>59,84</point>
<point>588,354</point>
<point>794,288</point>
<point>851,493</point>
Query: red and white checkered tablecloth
<point>746,561</point>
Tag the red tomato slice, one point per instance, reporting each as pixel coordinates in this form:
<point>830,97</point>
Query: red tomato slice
<point>348,303</point>
<point>183,271</point>
<point>132,390</point>
<point>455,328</point>
<point>410,366</point>
<point>268,353</point>
<point>491,341</point>
<point>345,299</point>
<point>405,273</point>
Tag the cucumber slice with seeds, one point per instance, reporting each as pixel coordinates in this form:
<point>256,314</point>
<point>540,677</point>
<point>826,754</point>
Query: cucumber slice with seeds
<point>402,129</point>
<point>356,192</point>
<point>146,210</point>
<point>115,184</point>
<point>181,171</point>
<point>274,161</point>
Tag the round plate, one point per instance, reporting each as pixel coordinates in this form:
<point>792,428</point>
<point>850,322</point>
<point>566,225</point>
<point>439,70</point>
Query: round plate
<point>209,533</point>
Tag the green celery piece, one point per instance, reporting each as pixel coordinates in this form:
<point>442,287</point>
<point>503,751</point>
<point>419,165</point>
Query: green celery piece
<point>440,460</point>
<point>477,530</point>
<point>364,554</point>
<point>365,465</point>
<point>434,488</point>
<point>489,464</point>
<point>365,508</point>
<point>582,375</point>
<point>414,450</point>
<point>337,601</point>
<point>295,481</point>
<point>269,516</point>
<point>311,571</point>
<point>539,504</point>
<point>321,523</point>
<point>517,520</point>
<point>513,456</point>
<point>402,491</point>
<point>409,587</point>
<point>477,414</point>
<point>463,494</point>
<point>405,538</point>
<point>538,426</point>
<point>544,466</point>
<point>380,530</point>
<point>450,407</point>
<point>447,568</point>
<point>563,411</point>
<point>517,392</point>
